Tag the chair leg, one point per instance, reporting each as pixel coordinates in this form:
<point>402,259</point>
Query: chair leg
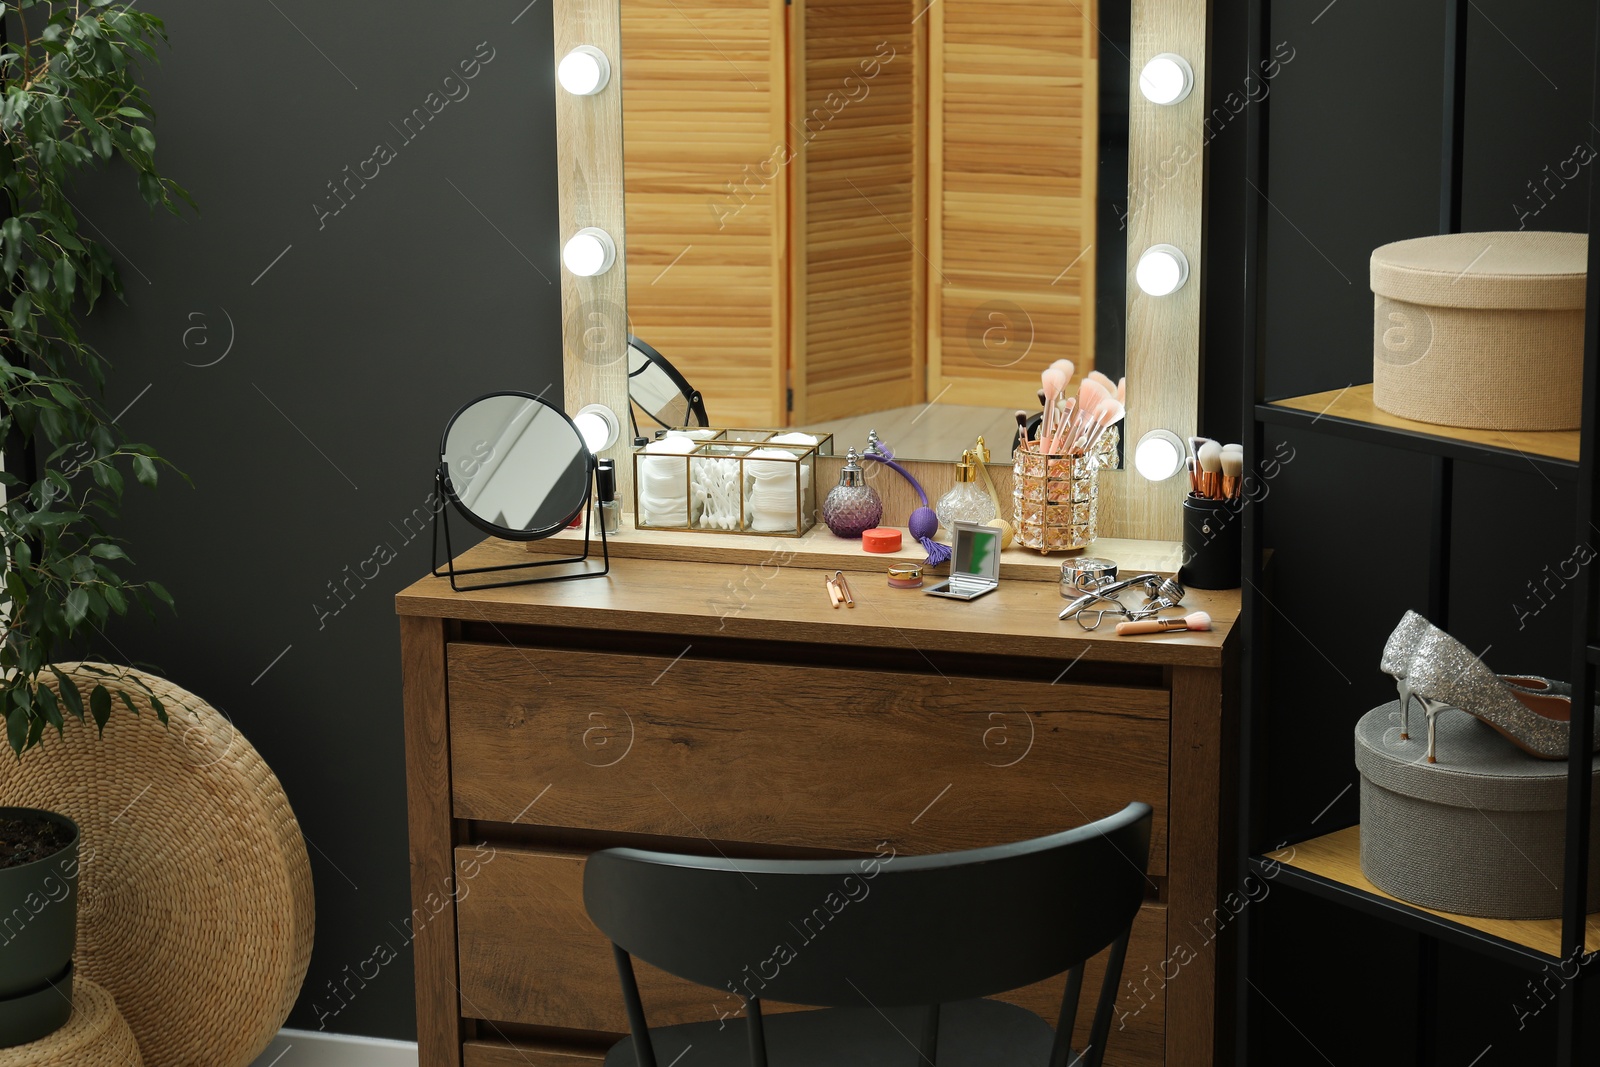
<point>758,1033</point>
<point>643,1049</point>
<point>1062,1048</point>
<point>1101,1030</point>
<point>928,1047</point>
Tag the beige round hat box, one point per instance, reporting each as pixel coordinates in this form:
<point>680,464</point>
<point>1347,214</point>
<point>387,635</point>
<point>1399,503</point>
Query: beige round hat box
<point>1481,330</point>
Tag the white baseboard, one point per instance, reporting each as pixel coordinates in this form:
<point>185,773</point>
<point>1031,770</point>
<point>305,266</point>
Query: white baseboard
<point>308,1048</point>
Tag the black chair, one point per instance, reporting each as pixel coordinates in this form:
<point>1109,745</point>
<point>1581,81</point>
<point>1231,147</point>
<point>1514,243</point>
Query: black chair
<point>894,950</point>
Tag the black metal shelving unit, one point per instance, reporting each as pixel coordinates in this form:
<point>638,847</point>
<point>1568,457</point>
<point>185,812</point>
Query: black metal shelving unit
<point>1575,1040</point>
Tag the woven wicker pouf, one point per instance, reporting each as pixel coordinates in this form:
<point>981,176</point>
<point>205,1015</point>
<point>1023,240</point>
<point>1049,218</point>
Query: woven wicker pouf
<point>195,908</point>
<point>96,1036</point>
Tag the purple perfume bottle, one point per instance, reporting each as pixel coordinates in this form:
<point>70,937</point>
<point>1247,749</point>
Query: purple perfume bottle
<point>853,507</point>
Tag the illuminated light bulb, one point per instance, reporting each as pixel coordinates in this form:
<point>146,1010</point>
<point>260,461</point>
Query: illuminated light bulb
<point>1166,79</point>
<point>591,251</point>
<point>1162,270</point>
<point>598,425</point>
<point>584,71</point>
<point>1159,455</point>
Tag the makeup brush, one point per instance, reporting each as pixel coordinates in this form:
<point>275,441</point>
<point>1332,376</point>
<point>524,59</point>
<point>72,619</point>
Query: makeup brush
<point>1091,394</point>
<point>1210,457</point>
<point>1054,382</point>
<point>1067,411</point>
<point>1194,475</point>
<point>1109,413</point>
<point>1110,386</point>
<point>1122,389</point>
<point>1065,366</point>
<point>1198,621</point>
<point>1022,428</point>
<point>1232,468</point>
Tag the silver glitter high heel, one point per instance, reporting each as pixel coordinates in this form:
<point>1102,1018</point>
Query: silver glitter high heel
<point>1402,647</point>
<point>1444,674</point>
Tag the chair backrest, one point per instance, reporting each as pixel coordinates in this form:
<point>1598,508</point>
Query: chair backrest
<point>887,930</point>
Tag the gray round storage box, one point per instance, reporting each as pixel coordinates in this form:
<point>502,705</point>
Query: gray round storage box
<point>1481,330</point>
<point>1481,832</point>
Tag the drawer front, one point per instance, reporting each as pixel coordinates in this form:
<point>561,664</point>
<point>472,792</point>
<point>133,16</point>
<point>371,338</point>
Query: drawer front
<point>491,1053</point>
<point>530,955</point>
<point>794,755</point>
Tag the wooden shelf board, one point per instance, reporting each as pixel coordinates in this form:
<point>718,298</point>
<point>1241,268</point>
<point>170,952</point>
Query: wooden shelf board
<point>1337,858</point>
<point>820,549</point>
<point>1355,404</point>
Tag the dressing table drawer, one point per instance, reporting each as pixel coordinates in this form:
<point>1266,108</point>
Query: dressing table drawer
<point>786,755</point>
<point>530,956</point>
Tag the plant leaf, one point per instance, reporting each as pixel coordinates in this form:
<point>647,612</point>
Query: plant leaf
<point>144,469</point>
<point>17,729</point>
<point>69,693</point>
<point>100,706</point>
<point>77,606</point>
<point>46,703</point>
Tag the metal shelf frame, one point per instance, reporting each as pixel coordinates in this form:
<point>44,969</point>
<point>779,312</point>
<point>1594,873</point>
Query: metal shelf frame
<point>1575,1034</point>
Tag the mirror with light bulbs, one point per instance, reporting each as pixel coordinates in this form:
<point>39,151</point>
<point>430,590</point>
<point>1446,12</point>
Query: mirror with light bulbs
<point>609,114</point>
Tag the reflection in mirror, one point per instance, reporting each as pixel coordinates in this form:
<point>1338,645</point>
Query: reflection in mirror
<point>660,393</point>
<point>515,466</point>
<point>839,218</point>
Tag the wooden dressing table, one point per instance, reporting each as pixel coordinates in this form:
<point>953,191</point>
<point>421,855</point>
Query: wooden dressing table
<point>726,708</point>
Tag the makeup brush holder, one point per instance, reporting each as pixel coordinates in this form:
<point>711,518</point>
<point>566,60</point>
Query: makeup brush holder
<point>1055,498</point>
<point>1211,543</point>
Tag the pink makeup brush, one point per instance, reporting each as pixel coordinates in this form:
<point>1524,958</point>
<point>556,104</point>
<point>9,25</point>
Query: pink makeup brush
<point>1065,366</point>
<point>1110,413</point>
<point>1122,390</point>
<point>1198,621</point>
<point>1054,382</point>
<point>1091,394</point>
<point>1066,411</point>
<point>1111,386</point>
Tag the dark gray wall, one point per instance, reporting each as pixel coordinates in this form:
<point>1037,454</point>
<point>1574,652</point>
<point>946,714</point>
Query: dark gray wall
<point>1353,156</point>
<point>312,442</point>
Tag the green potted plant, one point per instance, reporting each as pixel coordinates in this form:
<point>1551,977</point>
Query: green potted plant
<point>70,100</point>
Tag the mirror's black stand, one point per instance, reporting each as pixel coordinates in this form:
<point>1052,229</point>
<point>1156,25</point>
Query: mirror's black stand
<point>441,518</point>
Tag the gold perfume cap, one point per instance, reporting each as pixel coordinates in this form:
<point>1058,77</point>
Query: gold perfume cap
<point>966,470</point>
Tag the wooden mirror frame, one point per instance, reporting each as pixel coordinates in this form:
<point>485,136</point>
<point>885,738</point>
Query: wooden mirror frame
<point>1166,162</point>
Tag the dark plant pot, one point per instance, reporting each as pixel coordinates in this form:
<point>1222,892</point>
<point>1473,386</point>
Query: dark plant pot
<point>38,933</point>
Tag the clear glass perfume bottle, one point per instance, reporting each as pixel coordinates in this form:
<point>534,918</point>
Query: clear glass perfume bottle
<point>853,507</point>
<point>966,501</point>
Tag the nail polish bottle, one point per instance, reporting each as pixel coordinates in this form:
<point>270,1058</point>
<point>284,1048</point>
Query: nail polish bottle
<point>607,512</point>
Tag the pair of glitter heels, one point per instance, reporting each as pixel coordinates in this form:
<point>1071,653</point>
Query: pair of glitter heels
<point>1440,673</point>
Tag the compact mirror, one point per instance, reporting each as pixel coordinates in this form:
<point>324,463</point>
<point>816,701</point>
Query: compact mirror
<point>515,467</point>
<point>657,389</point>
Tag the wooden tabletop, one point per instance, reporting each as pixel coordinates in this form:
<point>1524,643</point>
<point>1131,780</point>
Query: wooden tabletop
<point>790,603</point>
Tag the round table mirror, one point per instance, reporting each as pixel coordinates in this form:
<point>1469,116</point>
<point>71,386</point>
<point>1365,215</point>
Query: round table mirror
<point>656,388</point>
<point>515,466</point>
